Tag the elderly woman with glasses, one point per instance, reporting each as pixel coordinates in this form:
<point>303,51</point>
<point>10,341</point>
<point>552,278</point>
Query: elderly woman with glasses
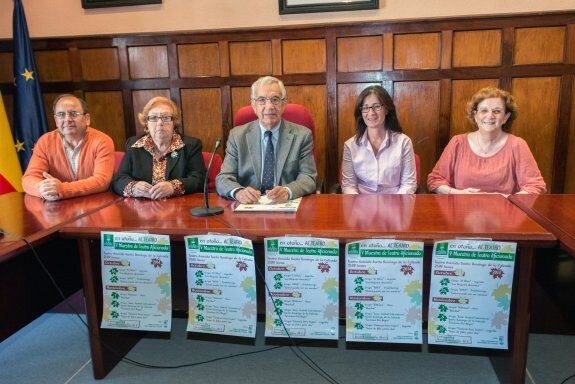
<point>489,159</point>
<point>161,163</point>
<point>379,158</point>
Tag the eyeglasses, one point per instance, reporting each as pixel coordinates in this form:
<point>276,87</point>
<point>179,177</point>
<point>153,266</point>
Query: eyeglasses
<point>72,114</point>
<point>376,108</point>
<point>164,118</point>
<point>486,111</point>
<point>275,100</point>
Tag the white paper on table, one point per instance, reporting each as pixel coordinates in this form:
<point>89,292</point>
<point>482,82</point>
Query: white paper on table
<point>266,205</point>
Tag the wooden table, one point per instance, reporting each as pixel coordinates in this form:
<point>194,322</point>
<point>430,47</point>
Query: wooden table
<point>346,217</point>
<point>38,220</point>
<point>553,290</point>
<point>26,292</point>
<point>556,213</point>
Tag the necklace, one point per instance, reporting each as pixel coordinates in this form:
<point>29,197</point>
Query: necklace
<point>492,146</point>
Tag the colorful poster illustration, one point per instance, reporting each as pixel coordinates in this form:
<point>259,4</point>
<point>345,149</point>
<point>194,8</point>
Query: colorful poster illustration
<point>383,291</point>
<point>470,293</point>
<point>221,285</point>
<point>302,275</point>
<point>136,281</point>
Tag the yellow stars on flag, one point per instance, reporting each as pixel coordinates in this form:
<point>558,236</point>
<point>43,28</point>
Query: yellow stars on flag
<point>28,75</point>
<point>19,146</point>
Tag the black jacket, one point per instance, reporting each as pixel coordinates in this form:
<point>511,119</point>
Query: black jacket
<point>187,165</point>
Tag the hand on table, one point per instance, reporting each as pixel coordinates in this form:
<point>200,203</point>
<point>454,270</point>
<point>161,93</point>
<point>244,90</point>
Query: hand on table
<point>50,187</point>
<point>161,190</point>
<point>278,194</point>
<point>464,191</point>
<point>248,195</point>
<point>141,189</point>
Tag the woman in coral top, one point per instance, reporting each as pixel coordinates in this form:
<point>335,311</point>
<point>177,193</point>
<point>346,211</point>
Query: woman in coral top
<point>490,159</point>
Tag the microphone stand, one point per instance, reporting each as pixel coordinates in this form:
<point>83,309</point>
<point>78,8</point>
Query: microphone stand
<point>206,210</point>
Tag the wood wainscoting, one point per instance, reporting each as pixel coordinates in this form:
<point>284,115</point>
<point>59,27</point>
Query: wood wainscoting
<point>431,68</point>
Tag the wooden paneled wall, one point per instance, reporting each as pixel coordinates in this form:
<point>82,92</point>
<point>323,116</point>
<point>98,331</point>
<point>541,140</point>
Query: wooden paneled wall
<point>430,67</point>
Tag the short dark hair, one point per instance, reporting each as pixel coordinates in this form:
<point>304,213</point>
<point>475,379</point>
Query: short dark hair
<point>64,95</point>
<point>391,121</point>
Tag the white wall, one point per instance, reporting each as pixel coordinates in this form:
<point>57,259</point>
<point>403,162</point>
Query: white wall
<point>50,18</point>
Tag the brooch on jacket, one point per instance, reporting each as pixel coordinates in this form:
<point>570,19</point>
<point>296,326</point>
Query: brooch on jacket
<point>174,155</point>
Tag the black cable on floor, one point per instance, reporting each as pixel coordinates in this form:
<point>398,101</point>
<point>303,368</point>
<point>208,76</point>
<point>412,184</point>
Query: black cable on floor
<point>307,360</point>
<point>109,348</point>
<point>48,274</point>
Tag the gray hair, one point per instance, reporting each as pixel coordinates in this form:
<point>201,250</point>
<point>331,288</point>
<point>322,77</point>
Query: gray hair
<point>268,80</point>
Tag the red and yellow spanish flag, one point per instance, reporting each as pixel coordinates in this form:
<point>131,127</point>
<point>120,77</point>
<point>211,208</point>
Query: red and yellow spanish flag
<point>10,171</point>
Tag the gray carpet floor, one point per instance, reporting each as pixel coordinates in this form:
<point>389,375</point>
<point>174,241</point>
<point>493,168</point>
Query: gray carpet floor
<point>54,349</point>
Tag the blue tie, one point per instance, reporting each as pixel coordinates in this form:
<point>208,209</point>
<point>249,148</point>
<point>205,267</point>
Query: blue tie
<point>268,175</point>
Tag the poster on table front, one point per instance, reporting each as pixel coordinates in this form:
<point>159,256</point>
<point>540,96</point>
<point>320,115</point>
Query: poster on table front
<point>136,281</point>
<point>221,285</point>
<point>383,290</point>
<point>470,293</point>
<point>302,275</point>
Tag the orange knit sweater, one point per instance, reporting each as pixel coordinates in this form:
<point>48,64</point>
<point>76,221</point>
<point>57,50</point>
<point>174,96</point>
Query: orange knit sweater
<point>95,165</point>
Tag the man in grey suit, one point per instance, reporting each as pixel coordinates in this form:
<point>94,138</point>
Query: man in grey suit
<point>294,172</point>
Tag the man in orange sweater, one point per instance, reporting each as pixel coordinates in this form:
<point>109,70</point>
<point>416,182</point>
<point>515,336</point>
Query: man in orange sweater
<point>73,160</point>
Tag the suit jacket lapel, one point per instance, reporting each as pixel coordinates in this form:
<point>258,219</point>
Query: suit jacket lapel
<point>171,162</point>
<point>254,144</point>
<point>285,140</point>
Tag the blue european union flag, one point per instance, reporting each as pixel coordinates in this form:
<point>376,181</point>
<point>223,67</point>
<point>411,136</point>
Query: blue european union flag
<point>29,116</point>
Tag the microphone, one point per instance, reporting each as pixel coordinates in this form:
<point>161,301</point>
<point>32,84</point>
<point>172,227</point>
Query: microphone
<point>206,210</point>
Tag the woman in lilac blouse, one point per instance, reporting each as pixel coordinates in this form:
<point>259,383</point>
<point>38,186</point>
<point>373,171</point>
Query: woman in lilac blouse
<point>379,158</point>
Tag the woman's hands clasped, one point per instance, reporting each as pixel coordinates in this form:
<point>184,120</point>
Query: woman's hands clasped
<point>159,191</point>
